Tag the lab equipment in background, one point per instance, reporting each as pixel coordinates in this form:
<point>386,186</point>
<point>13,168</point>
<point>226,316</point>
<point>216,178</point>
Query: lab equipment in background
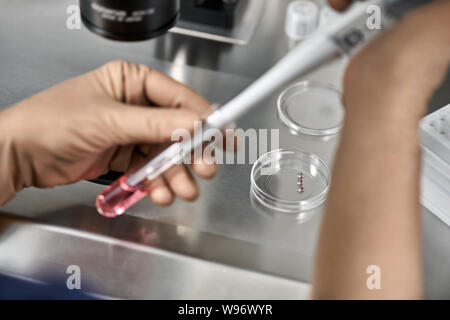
<point>218,13</point>
<point>226,21</point>
<point>230,21</point>
<point>346,35</point>
<point>435,133</point>
<point>301,19</point>
<point>275,178</point>
<point>129,20</point>
<point>311,108</point>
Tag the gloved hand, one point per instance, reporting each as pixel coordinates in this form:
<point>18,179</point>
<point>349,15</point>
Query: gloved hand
<point>110,118</point>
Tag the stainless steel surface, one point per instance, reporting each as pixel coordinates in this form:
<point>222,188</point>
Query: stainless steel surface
<point>115,266</point>
<point>218,247</point>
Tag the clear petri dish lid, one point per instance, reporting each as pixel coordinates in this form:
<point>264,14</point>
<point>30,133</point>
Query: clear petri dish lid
<point>312,108</point>
<point>290,181</point>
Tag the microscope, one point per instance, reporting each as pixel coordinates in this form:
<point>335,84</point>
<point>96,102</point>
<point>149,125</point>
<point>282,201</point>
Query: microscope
<point>146,19</point>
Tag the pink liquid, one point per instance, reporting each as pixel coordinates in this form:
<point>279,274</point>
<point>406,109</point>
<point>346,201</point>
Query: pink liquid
<point>117,198</point>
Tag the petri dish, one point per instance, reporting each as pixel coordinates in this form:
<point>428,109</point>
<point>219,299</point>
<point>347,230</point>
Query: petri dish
<point>279,216</point>
<point>312,108</point>
<point>275,178</point>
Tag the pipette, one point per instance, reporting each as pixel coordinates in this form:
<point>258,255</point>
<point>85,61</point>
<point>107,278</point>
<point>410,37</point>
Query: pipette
<point>347,34</point>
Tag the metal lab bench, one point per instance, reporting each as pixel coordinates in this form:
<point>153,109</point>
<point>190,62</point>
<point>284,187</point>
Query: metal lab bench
<point>218,247</point>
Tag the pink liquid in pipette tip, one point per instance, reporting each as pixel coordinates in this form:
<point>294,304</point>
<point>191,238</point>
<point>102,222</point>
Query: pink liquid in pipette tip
<point>117,198</point>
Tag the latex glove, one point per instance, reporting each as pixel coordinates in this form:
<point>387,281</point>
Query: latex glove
<point>106,119</point>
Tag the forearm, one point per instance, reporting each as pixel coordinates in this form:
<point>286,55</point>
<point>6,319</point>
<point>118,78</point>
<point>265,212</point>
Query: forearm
<point>7,165</point>
<point>373,212</point>
<point>373,215</point>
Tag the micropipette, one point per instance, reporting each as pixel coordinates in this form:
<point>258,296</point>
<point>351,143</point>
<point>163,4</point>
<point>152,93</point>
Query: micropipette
<point>347,34</point>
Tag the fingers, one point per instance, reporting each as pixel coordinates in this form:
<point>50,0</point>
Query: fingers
<point>205,167</point>
<point>139,85</point>
<point>178,181</point>
<point>182,183</point>
<point>205,170</point>
<point>175,182</point>
<point>340,5</point>
<point>165,91</point>
<point>160,192</point>
<point>140,125</point>
<point>129,122</point>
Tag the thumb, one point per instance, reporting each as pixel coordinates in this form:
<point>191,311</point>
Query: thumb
<point>136,125</point>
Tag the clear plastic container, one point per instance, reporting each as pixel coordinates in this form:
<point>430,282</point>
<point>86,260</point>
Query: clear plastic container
<point>301,19</point>
<point>312,108</point>
<point>275,181</point>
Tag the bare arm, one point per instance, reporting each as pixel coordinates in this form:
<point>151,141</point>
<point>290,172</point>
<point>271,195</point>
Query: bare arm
<point>373,215</point>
